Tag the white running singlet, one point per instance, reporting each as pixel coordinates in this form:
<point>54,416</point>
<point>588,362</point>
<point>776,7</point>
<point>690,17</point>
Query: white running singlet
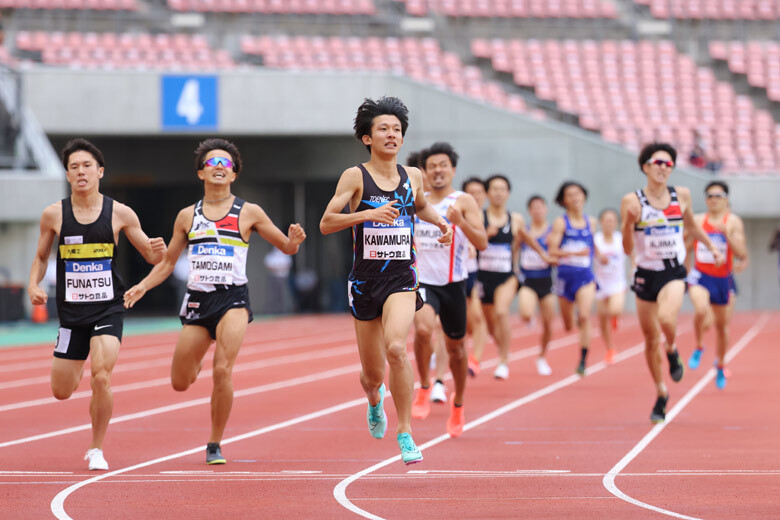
<point>610,277</point>
<point>658,236</point>
<point>439,264</point>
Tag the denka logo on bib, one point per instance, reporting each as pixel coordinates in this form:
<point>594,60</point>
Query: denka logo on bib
<point>213,250</point>
<point>87,268</point>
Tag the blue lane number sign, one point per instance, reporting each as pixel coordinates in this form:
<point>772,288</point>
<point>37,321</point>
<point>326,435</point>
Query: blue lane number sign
<point>189,102</point>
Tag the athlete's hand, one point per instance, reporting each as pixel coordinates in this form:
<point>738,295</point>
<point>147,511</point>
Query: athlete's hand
<point>133,294</point>
<point>158,246</point>
<point>632,213</point>
<point>549,259</point>
<point>455,216</point>
<point>718,257</point>
<point>296,234</point>
<point>491,230</point>
<point>472,251</point>
<point>37,295</point>
<point>446,233</point>
<point>603,259</point>
<point>384,214</point>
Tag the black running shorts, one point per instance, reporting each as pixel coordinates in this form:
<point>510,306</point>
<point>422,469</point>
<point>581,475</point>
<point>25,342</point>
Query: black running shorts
<point>647,284</point>
<point>73,342</point>
<point>541,286</point>
<point>205,309</point>
<point>488,282</point>
<point>367,292</point>
<point>449,302</point>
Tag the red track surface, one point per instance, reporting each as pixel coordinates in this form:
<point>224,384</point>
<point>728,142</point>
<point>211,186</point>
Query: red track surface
<point>300,404</point>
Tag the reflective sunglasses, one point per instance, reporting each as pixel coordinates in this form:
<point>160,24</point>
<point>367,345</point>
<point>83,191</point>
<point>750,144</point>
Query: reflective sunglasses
<point>660,162</point>
<point>214,161</point>
<point>717,195</point>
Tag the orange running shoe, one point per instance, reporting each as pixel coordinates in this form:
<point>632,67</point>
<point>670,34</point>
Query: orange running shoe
<point>421,406</point>
<point>610,357</point>
<point>473,366</point>
<point>456,420</point>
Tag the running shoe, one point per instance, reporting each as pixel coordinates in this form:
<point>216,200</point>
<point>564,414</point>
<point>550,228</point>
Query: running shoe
<point>720,378</point>
<point>409,452</point>
<point>542,367</point>
<point>214,454</point>
<point>473,366</point>
<point>377,420</point>
<point>439,393</point>
<point>610,357</point>
<point>581,368</point>
<point>456,420</point>
<point>501,372</point>
<point>659,410</point>
<point>676,369</point>
<point>695,360</point>
<point>96,459</point>
<point>421,406</point>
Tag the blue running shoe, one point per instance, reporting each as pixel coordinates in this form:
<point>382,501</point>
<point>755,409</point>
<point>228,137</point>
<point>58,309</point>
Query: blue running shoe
<point>377,420</point>
<point>695,359</point>
<point>409,452</point>
<point>720,378</point>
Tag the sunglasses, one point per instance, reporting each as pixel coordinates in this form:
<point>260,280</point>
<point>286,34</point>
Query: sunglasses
<point>718,195</point>
<point>214,161</point>
<point>660,162</point>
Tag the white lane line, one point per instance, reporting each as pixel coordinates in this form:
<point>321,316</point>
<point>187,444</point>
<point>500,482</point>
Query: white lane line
<point>609,479</point>
<point>339,492</point>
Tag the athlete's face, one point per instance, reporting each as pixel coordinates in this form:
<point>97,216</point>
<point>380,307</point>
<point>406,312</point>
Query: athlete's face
<point>608,222</point>
<point>220,173</point>
<point>659,167</point>
<point>574,198</point>
<point>439,171</point>
<point>386,138</point>
<point>717,199</point>
<point>477,190</point>
<point>538,211</point>
<point>84,172</point>
<point>498,192</point>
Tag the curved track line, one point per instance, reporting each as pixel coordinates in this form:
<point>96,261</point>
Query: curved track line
<point>609,479</point>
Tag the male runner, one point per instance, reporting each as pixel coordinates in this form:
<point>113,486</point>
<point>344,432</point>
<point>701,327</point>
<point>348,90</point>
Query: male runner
<point>216,231</point>
<point>712,288</point>
<point>442,271</point>
<point>89,288</point>
<point>383,199</point>
<point>653,219</point>
<point>475,318</point>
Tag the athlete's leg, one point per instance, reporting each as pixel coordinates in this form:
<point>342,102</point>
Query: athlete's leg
<point>103,352</point>
<point>440,349</point>
<point>617,303</point>
<point>230,335</point>
<point>527,302</point>
<point>583,299</point>
<point>670,299</point>
<point>502,300</point>
<point>567,313</point>
<point>700,298</point>
<point>456,349</point>
<point>65,376</point>
<point>603,306</point>
<point>547,310</point>
<point>722,314</point>
<point>371,347</point>
<point>647,312</point>
<point>397,317</point>
<point>424,322</point>
<point>192,345</point>
<point>475,324</point>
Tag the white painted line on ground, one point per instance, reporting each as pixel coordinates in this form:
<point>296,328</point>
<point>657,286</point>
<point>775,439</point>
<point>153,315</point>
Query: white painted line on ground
<point>609,479</point>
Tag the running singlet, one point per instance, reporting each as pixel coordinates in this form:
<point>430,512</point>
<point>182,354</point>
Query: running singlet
<point>385,248</point>
<point>217,253</point>
<point>573,240</point>
<point>611,275</point>
<point>658,235</point>
<point>704,261</point>
<point>497,258</point>
<point>532,265</point>
<point>439,264</point>
<point>88,286</point>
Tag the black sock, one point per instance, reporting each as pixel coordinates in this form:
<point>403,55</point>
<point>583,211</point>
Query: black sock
<point>458,405</point>
<point>440,381</point>
<point>425,387</point>
<point>583,354</point>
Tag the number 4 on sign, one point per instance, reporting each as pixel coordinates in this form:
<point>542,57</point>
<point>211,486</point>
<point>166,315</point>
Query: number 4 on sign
<point>189,106</point>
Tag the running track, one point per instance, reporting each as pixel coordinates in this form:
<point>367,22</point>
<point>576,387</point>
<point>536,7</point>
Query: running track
<point>297,445</point>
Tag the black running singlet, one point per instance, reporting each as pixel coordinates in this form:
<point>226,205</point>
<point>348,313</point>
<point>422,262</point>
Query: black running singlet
<point>497,258</point>
<point>88,285</point>
<point>382,248</point>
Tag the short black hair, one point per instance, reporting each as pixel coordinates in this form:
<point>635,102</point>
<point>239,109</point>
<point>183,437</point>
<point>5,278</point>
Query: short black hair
<point>413,159</point>
<point>717,183</point>
<point>533,198</point>
<point>437,148</point>
<point>649,149</point>
<point>562,190</point>
<point>609,210</point>
<point>81,145</point>
<point>471,180</point>
<point>496,176</point>
<point>216,143</point>
<point>370,109</point>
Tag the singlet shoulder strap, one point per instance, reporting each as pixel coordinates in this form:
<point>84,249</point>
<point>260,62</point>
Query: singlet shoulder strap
<point>640,193</point>
<point>402,173</point>
<point>566,221</point>
<point>198,208</point>
<point>484,214</point>
<point>67,209</point>
<point>672,194</point>
<point>108,208</point>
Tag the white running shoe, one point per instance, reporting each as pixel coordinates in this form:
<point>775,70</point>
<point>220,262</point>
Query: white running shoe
<point>96,460</point>
<point>432,364</point>
<point>502,371</point>
<point>542,367</point>
<point>439,393</point>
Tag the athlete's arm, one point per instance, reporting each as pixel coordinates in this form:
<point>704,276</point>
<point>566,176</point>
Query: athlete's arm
<point>735,236</point>
<point>163,269</point>
<point>466,215</point>
<point>521,236</point>
<point>602,259</point>
<point>688,238</point>
<point>350,184</point>
<point>555,237</point>
<point>684,196</point>
<point>630,212</point>
<point>424,210</point>
<point>152,249</point>
<point>51,220</point>
<point>287,244</point>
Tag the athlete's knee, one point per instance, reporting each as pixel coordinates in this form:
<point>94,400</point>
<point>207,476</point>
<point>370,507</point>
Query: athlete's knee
<point>423,333</point>
<point>180,382</point>
<point>501,313</point>
<point>667,319</point>
<point>222,374</point>
<point>456,349</point>
<point>61,393</point>
<point>396,352</point>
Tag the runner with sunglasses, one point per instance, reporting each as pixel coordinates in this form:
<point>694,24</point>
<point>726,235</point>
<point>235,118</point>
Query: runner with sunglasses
<point>653,221</point>
<point>712,289</point>
<point>379,200</point>
<point>89,288</point>
<point>216,231</point>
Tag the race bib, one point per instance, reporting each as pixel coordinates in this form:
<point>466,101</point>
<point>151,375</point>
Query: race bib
<point>88,281</point>
<point>426,237</point>
<point>388,241</point>
<point>663,242</point>
<point>530,260</point>
<point>497,258</point>
<point>574,246</point>
<point>211,263</point>
<point>704,255</point>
